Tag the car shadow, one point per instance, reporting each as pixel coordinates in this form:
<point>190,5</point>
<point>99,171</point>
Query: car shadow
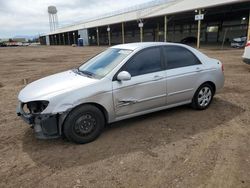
<point>137,134</point>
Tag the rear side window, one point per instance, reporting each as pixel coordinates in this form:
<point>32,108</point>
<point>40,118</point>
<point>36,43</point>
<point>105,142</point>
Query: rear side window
<point>144,62</point>
<point>177,56</point>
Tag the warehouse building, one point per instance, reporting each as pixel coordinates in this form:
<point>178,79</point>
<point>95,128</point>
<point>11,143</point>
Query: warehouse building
<point>186,21</point>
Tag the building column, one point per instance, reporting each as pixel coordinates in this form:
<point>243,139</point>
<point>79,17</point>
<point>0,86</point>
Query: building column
<point>141,34</point>
<point>248,30</point>
<point>140,25</point>
<point>109,36</point>
<point>158,30</point>
<point>68,39</point>
<point>97,37</point>
<point>50,40</point>
<point>74,38</point>
<point>55,40</point>
<point>165,28</point>
<point>63,39</point>
<point>199,31</point>
<point>123,38</point>
<point>59,37</point>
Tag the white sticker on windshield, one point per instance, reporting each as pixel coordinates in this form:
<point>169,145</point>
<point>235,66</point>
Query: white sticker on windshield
<point>125,52</point>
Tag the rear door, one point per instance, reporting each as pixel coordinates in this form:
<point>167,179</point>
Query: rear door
<point>147,88</point>
<point>183,72</point>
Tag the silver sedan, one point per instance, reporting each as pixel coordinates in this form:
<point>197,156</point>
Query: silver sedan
<point>122,82</point>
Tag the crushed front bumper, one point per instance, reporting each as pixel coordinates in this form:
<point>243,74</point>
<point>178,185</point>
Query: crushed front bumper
<point>45,125</point>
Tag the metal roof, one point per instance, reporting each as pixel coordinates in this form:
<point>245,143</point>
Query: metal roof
<point>136,45</point>
<point>170,7</point>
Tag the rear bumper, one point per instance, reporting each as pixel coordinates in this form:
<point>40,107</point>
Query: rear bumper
<point>45,125</point>
<point>246,60</point>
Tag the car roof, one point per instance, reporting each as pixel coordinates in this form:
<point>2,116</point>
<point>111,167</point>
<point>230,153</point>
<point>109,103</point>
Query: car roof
<point>139,45</point>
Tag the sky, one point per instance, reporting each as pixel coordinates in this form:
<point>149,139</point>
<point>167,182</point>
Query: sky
<point>30,17</point>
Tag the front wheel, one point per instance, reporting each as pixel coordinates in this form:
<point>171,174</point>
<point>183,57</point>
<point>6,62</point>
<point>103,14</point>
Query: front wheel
<point>203,97</point>
<point>84,124</point>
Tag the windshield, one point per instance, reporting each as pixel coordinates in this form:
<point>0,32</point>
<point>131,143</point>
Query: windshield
<point>100,65</point>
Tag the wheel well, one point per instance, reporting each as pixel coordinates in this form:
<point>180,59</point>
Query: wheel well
<point>211,84</point>
<point>100,107</point>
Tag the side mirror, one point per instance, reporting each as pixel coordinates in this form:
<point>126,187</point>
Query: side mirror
<point>123,76</point>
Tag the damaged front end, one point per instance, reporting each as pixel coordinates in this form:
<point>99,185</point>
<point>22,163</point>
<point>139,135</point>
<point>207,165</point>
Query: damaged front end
<point>45,125</point>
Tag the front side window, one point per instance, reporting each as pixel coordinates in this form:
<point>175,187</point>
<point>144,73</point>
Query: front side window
<point>178,56</point>
<point>144,62</point>
<point>100,65</point>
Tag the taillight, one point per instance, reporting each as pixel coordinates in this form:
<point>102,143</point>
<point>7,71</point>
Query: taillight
<point>222,67</point>
<point>247,44</point>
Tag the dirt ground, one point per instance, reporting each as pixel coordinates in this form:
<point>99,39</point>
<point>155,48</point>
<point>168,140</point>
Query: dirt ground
<point>179,147</point>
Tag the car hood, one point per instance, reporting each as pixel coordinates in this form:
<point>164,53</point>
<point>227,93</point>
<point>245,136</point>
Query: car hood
<point>53,85</point>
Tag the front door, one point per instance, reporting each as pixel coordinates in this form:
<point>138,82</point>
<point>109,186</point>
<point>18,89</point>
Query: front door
<point>147,88</point>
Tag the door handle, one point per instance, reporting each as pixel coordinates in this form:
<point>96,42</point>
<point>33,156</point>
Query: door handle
<point>198,69</point>
<point>157,77</point>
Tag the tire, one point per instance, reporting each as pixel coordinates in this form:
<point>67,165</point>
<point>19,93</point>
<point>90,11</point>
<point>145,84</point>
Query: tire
<point>84,124</point>
<point>203,97</point>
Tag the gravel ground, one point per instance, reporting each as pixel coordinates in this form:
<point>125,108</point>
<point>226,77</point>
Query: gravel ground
<point>178,147</point>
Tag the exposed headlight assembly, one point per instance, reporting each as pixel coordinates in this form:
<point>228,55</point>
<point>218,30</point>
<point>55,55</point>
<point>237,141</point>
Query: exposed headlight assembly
<point>34,107</point>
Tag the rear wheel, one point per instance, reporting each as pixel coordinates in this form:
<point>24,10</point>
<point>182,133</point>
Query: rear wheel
<point>84,124</point>
<point>203,97</point>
